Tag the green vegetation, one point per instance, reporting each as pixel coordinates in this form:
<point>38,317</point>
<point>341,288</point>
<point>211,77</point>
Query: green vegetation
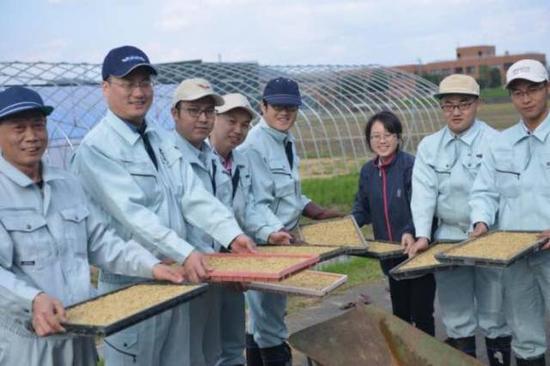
<point>495,92</point>
<point>336,192</point>
<point>359,270</point>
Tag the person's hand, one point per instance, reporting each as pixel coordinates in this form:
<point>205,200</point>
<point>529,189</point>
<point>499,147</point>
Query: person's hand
<point>280,238</point>
<point>329,213</point>
<point>480,228</point>
<point>47,315</point>
<point>406,241</point>
<point>195,268</point>
<point>167,273</point>
<point>316,212</point>
<point>420,245</point>
<point>242,244</point>
<point>545,235</point>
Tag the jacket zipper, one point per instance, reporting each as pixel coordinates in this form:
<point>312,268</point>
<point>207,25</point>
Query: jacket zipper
<point>385,199</point>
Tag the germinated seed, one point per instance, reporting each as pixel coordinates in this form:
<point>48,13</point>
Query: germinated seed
<point>497,245</point>
<point>251,264</point>
<point>341,232</point>
<point>426,259</point>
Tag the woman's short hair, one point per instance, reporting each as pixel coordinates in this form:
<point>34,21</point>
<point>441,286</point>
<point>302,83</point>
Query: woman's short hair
<point>391,123</point>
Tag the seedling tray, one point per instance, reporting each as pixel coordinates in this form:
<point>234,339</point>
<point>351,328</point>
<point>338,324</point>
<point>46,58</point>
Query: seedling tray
<point>379,249</point>
<point>256,267</point>
<point>422,263</point>
<point>139,307</point>
<point>494,249</point>
<point>342,232</point>
<point>306,283</point>
<point>323,252</point>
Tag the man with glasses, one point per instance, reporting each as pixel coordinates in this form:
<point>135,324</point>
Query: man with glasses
<point>134,171</point>
<point>193,111</point>
<point>511,192</point>
<point>271,149</point>
<point>446,165</point>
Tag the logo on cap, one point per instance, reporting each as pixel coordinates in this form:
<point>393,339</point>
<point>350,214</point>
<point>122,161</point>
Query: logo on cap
<point>133,58</point>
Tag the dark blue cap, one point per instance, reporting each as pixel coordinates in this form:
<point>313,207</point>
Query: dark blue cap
<point>18,99</point>
<point>121,61</point>
<point>282,91</point>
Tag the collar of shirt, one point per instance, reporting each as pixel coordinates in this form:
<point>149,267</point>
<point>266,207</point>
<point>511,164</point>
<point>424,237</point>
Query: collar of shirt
<point>125,129</point>
<point>466,137</point>
<point>281,137</point>
<point>19,178</point>
<point>192,154</point>
<point>540,133</point>
<point>226,163</point>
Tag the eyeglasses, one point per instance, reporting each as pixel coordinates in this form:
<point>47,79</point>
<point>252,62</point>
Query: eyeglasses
<point>287,108</point>
<point>385,136</point>
<point>462,106</point>
<point>529,92</point>
<point>209,112</point>
<point>129,87</point>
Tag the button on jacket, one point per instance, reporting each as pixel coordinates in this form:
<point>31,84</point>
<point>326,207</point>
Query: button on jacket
<point>47,238</point>
<point>444,171</point>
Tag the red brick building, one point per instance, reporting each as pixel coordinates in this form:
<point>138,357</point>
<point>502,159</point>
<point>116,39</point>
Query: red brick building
<point>468,61</point>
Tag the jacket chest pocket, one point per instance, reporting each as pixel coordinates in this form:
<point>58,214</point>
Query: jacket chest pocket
<point>471,165</point>
<point>544,182</point>
<point>145,176</point>
<point>32,240</point>
<point>443,174</point>
<point>74,229</point>
<point>507,177</point>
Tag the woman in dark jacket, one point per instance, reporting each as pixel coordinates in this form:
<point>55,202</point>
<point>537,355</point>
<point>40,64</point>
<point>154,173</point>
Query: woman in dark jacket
<point>383,200</point>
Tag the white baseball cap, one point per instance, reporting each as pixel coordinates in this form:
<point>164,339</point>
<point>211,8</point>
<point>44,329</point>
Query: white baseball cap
<point>193,89</point>
<point>531,70</point>
<point>233,101</point>
<point>458,84</point>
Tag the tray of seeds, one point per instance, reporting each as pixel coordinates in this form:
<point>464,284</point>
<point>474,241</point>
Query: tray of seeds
<point>111,312</point>
<point>306,283</point>
<point>422,263</point>
<point>324,253</point>
<point>380,249</point>
<point>495,248</point>
<point>343,232</point>
<point>256,267</point>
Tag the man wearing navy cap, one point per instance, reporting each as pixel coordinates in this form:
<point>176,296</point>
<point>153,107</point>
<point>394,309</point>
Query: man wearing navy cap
<point>271,149</point>
<point>49,233</point>
<point>135,171</point>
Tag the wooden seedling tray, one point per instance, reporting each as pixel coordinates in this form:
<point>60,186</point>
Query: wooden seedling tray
<point>111,312</point>
<point>343,232</point>
<point>323,252</point>
<point>379,249</point>
<point>494,249</point>
<point>256,267</point>
<point>422,263</point>
<point>306,283</point>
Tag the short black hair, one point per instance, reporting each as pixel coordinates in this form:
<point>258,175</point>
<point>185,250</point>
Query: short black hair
<point>391,123</point>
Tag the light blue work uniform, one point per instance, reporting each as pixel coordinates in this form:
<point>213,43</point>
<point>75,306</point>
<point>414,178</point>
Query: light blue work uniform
<point>444,171</point>
<point>47,238</point>
<point>235,185</point>
<point>275,186</point>
<point>512,192</point>
<point>150,206</point>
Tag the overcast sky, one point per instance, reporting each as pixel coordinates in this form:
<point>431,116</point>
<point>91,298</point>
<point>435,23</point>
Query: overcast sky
<point>386,32</point>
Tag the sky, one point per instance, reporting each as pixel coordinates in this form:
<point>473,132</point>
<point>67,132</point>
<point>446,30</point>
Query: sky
<point>271,32</point>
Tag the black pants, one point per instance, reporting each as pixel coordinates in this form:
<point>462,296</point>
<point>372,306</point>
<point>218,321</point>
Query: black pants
<point>413,301</point>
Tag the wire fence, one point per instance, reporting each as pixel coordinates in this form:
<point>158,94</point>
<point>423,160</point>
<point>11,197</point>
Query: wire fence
<point>337,102</point>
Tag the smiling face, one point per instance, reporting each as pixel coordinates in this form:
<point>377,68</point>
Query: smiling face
<point>130,97</point>
<point>230,130</point>
<point>195,119</point>
<point>279,117</point>
<point>23,140</point>
<point>459,111</point>
<point>530,100</point>
<point>382,142</point>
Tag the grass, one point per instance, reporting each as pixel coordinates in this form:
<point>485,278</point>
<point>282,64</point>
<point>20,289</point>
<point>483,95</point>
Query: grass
<point>497,92</point>
<point>336,192</point>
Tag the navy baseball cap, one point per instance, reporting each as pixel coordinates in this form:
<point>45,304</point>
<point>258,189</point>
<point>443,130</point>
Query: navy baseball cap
<point>121,61</point>
<point>18,99</point>
<point>282,91</point>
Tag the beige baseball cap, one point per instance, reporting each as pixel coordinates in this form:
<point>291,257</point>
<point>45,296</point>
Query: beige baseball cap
<point>527,69</point>
<point>233,101</point>
<point>458,84</point>
<point>193,89</point>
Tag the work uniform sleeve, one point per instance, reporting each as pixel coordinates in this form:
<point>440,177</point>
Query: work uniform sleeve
<point>257,220</point>
<point>262,190</point>
<point>484,198</point>
<point>203,210</point>
<point>16,295</point>
<point>111,185</point>
<point>361,207</point>
<point>424,194</point>
<point>108,251</point>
